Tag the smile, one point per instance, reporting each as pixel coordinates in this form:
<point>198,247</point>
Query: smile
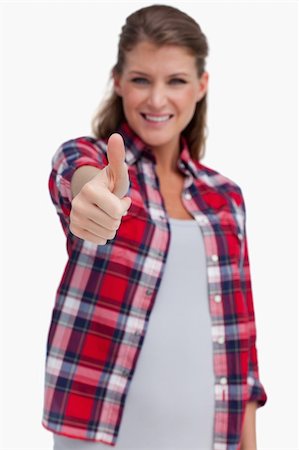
<point>157,119</point>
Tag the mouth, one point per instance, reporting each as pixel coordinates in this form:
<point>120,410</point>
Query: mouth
<point>155,118</point>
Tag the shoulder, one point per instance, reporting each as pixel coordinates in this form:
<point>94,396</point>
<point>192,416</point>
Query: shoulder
<point>77,152</point>
<point>82,142</point>
<point>219,182</point>
<point>82,146</point>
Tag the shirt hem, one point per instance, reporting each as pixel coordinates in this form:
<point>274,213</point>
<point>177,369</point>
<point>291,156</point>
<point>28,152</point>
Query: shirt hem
<point>73,436</point>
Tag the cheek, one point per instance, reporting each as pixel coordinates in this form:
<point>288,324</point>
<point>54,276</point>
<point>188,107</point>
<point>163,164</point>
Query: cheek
<point>131,99</point>
<point>187,100</point>
<point>186,107</point>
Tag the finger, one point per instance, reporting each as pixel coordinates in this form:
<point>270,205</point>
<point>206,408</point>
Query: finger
<point>107,201</point>
<point>126,203</point>
<point>100,217</point>
<point>87,235</point>
<point>95,228</point>
<point>99,230</point>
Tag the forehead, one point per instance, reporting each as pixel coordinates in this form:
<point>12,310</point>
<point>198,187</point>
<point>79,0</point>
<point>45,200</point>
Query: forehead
<point>148,57</point>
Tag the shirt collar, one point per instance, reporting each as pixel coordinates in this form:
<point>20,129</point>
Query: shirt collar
<point>135,148</point>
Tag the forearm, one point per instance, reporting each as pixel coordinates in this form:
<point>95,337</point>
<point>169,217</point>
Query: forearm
<point>248,436</point>
<point>81,176</point>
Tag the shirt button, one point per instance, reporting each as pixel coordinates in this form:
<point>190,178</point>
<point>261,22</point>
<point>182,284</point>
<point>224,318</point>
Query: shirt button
<point>202,219</point>
<point>148,292</point>
<point>223,380</point>
<point>240,236</point>
<point>250,381</point>
<point>214,258</point>
<point>220,340</point>
<point>187,196</point>
<point>217,298</point>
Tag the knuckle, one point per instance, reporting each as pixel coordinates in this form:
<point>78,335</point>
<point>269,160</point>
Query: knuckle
<point>72,215</point>
<point>88,189</point>
<point>74,230</point>
<point>111,235</point>
<point>76,205</point>
<point>101,241</point>
<point>74,218</point>
<point>114,224</point>
<point>118,212</point>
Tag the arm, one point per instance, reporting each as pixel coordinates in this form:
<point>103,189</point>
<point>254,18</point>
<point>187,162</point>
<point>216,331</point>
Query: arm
<point>248,436</point>
<point>257,396</point>
<point>256,391</point>
<point>68,159</point>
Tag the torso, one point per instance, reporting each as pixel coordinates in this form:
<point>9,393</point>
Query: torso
<point>171,187</point>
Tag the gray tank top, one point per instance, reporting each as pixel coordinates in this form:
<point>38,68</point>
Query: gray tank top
<point>170,402</point>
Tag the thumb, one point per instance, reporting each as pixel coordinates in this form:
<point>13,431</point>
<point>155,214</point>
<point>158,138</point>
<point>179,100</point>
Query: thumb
<point>116,153</point>
<point>117,166</point>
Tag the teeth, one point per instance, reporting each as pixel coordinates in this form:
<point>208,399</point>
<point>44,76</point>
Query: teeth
<point>156,119</point>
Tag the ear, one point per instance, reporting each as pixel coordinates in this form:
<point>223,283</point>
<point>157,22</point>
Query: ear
<point>117,84</point>
<point>203,85</point>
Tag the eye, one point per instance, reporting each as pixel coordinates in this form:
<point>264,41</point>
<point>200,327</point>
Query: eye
<point>178,81</point>
<point>139,80</point>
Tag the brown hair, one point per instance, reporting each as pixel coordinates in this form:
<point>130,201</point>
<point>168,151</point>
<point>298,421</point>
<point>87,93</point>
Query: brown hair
<point>160,25</point>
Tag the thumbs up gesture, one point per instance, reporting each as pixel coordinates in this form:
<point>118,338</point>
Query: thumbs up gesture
<point>98,208</point>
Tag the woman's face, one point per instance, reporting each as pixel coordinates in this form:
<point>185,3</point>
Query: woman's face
<point>159,87</point>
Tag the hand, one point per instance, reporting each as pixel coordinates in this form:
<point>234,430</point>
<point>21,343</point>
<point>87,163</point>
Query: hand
<point>98,208</point>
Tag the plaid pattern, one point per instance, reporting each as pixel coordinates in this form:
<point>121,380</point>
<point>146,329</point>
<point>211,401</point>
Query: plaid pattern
<point>106,294</point>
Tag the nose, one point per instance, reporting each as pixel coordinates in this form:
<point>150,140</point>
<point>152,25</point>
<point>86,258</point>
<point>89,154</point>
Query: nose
<point>157,96</point>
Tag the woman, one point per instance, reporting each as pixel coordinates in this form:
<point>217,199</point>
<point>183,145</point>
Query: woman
<point>157,287</point>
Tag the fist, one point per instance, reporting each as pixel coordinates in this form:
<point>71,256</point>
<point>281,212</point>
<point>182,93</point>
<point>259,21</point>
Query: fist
<point>98,208</point>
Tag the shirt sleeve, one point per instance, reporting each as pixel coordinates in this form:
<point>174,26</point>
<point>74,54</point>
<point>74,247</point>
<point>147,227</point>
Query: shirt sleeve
<point>256,388</point>
<point>69,157</point>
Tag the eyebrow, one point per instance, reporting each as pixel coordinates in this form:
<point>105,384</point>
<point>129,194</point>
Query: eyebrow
<point>179,74</point>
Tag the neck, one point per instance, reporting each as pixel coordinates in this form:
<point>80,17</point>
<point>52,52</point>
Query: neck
<point>166,158</point>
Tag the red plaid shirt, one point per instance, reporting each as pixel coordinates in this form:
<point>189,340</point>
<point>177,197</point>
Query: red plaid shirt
<point>106,294</point>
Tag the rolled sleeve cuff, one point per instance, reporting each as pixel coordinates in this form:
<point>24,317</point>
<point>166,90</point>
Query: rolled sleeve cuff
<point>256,390</point>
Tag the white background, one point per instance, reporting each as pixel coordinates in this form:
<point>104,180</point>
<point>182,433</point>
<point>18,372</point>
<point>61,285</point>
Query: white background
<point>57,58</point>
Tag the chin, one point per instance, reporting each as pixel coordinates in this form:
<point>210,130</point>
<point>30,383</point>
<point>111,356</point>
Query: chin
<point>153,139</point>
<point>152,142</point>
